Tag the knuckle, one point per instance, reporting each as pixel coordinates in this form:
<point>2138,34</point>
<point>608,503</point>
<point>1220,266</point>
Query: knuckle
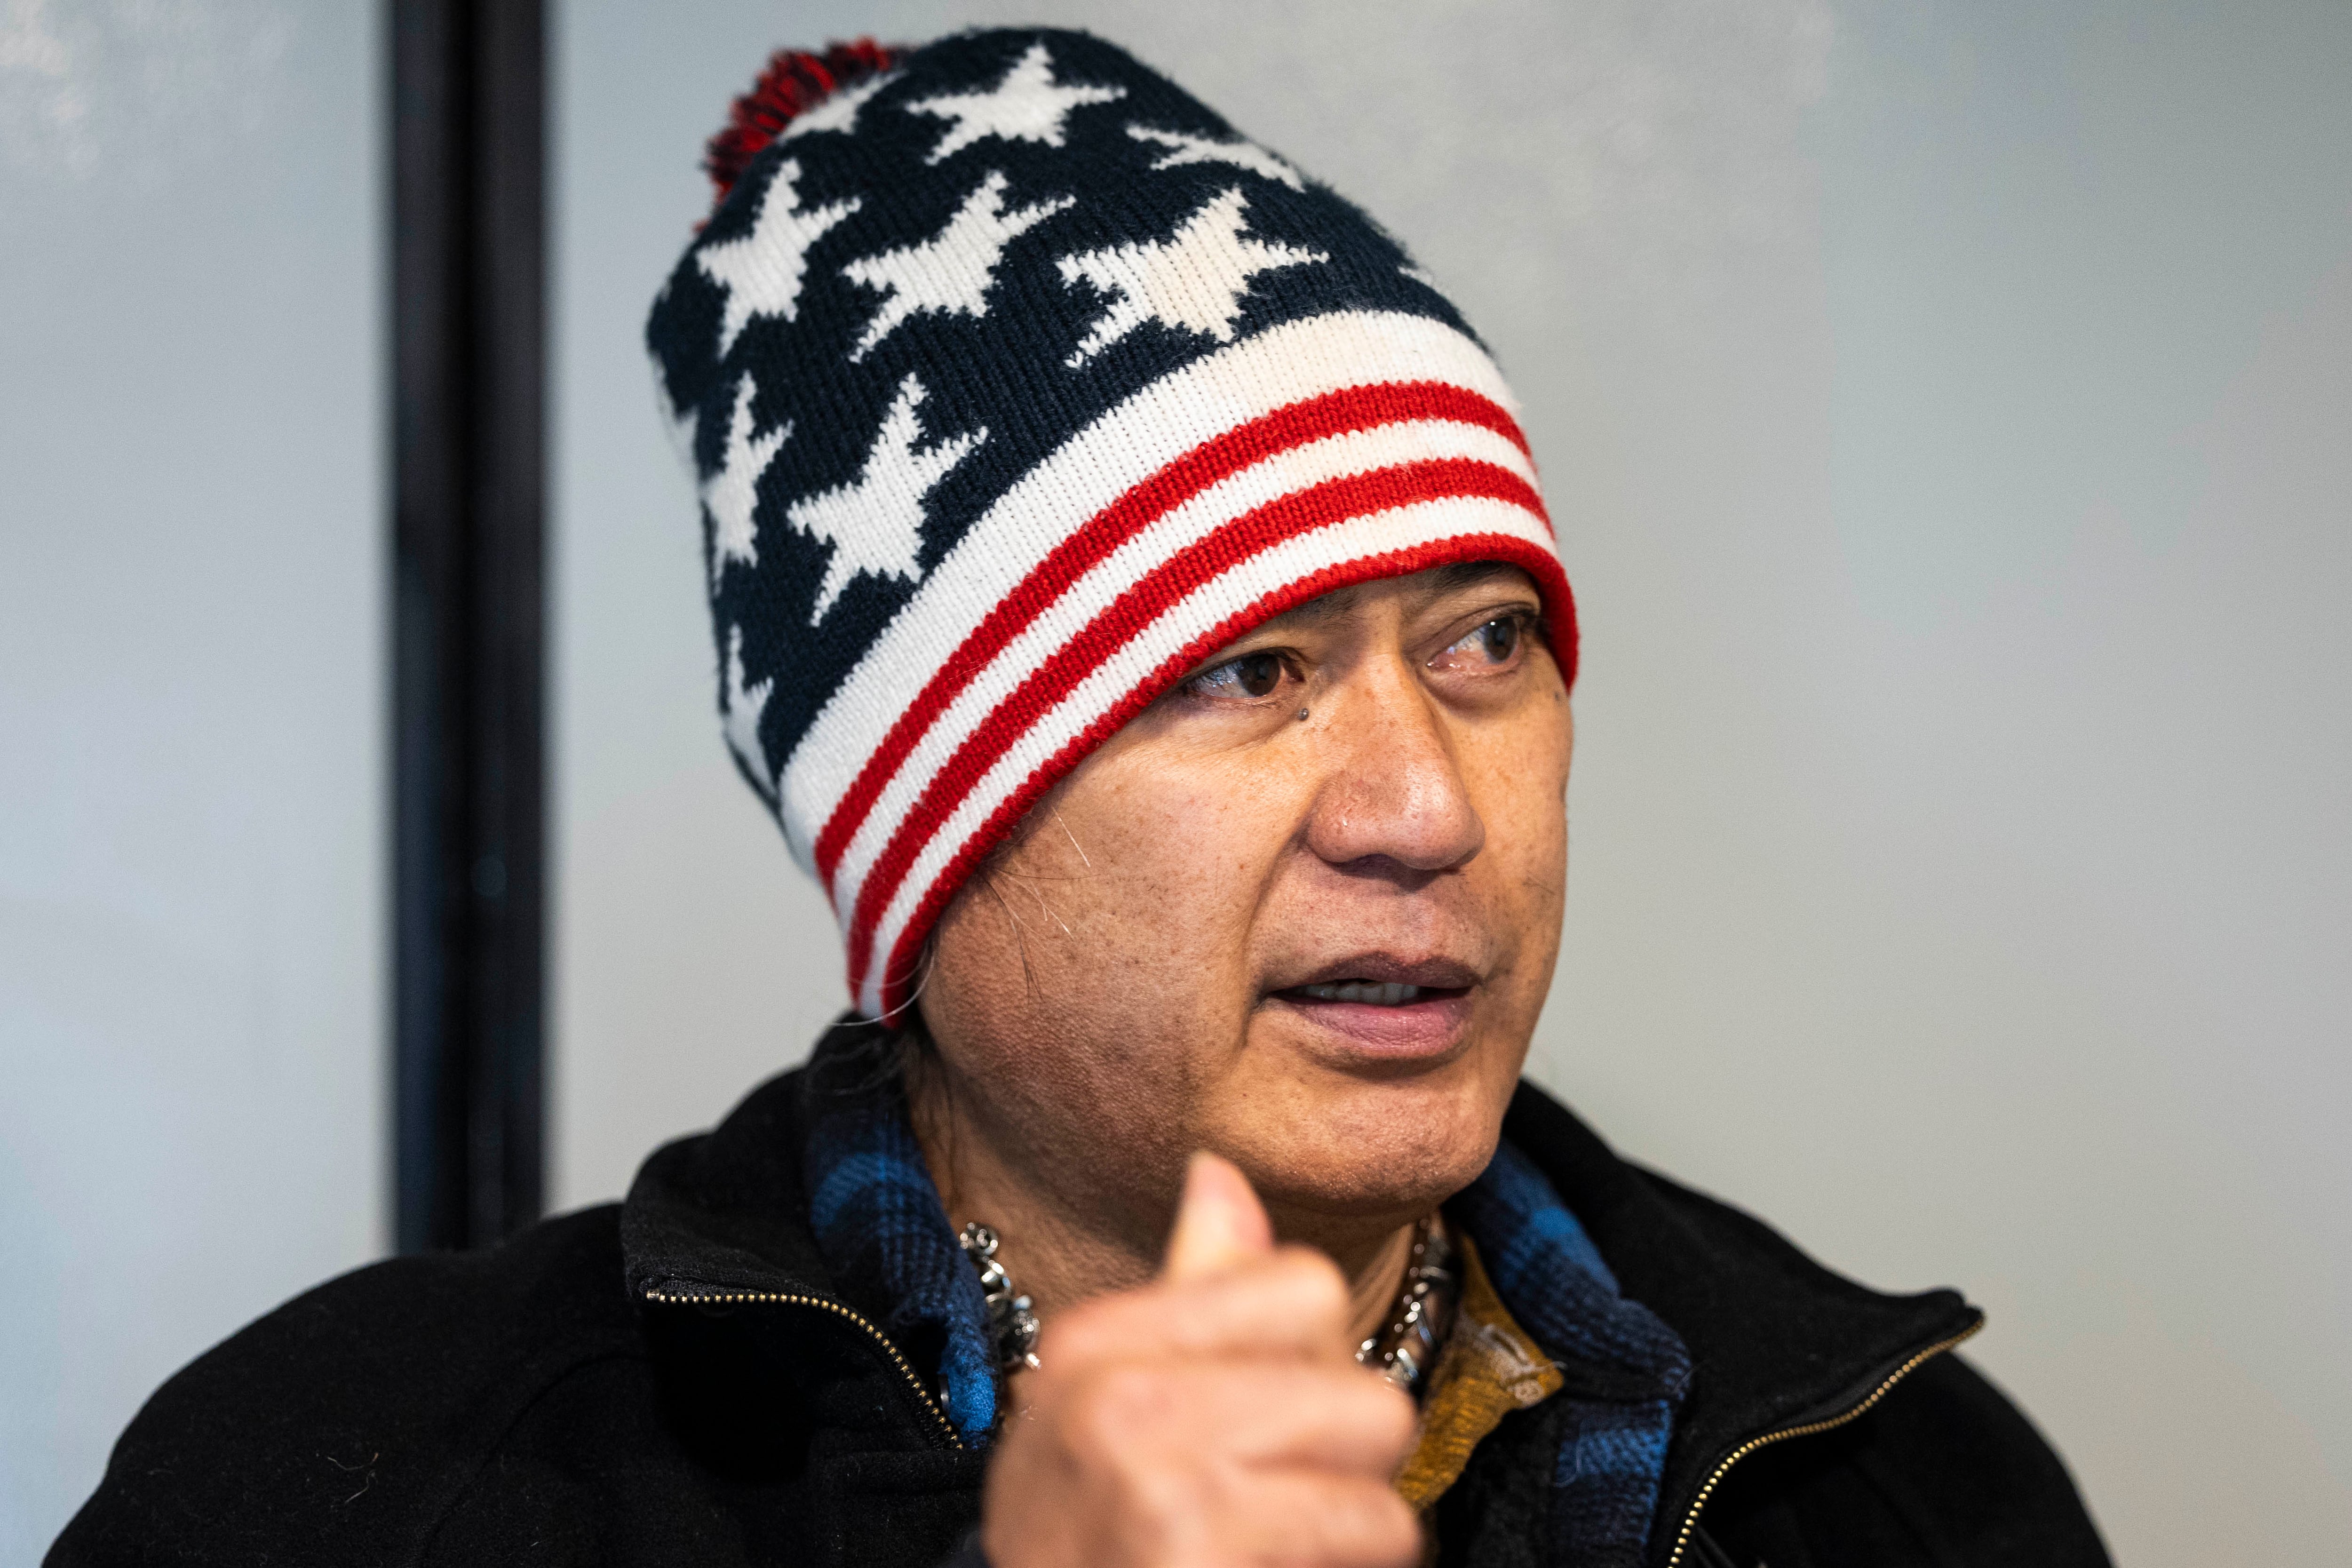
<point>1311,1273</point>
<point>1376,1525</point>
<point>1119,1401</point>
<point>1159,1502</point>
<point>1309,1287</point>
<point>1162,1516</point>
<point>1374,1416</point>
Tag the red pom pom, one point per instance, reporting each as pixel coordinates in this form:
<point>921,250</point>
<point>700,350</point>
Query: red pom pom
<point>794,83</point>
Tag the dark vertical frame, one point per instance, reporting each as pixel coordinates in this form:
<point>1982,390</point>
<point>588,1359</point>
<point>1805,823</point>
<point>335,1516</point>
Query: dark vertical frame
<point>468,335</point>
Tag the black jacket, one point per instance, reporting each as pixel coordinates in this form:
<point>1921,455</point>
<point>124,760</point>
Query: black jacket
<point>539,1403</point>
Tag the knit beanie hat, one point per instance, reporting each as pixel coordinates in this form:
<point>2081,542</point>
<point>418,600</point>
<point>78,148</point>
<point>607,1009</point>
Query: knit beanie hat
<point>1016,384</point>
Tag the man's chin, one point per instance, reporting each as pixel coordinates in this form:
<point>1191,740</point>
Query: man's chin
<point>1343,1144</point>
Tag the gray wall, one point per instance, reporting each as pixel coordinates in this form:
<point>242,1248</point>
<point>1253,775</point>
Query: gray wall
<point>190,698</point>
<point>1944,407</point>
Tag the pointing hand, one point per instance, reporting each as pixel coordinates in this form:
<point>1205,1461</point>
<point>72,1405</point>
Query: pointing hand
<point>1215,1416</point>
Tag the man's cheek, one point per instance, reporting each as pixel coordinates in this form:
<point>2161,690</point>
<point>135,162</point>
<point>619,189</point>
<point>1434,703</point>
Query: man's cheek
<point>1191,862</point>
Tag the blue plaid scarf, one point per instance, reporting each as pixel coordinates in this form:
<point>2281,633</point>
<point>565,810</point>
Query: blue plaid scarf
<point>878,1219</point>
<point>1625,1371</point>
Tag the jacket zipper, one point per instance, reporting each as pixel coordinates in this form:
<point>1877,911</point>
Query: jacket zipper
<point>1690,1519</point>
<point>767,1299</point>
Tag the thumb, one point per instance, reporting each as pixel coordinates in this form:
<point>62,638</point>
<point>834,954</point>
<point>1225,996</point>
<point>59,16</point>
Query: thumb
<point>1219,1223</point>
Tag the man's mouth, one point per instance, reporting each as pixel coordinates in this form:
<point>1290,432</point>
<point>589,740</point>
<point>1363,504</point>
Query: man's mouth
<point>1388,1002</point>
<point>1373,993</point>
<point>1383,1007</point>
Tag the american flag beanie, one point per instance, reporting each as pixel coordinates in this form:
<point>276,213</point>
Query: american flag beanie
<point>1016,384</point>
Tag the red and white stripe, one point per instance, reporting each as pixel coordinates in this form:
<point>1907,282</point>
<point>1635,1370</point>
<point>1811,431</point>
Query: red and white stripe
<point>1320,453</point>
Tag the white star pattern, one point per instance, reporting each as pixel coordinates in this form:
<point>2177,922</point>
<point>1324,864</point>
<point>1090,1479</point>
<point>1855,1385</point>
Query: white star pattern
<point>733,493</point>
<point>838,112</point>
<point>1028,105</point>
<point>875,523</point>
<point>950,271</point>
<point>1241,154</point>
<point>761,271</point>
<point>743,708</point>
<point>1194,280</point>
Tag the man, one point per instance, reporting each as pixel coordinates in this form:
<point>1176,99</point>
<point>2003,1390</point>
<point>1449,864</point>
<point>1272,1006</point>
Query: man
<point>1133,597</point>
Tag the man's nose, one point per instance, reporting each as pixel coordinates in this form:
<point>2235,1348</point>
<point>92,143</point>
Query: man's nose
<point>1394,791</point>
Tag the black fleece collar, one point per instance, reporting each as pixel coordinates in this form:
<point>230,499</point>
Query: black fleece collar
<point>1777,1341</point>
<point>727,1210</point>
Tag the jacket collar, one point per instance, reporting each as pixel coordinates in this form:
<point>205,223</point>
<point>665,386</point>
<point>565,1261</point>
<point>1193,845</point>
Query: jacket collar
<point>1776,1341</point>
<point>727,1211</point>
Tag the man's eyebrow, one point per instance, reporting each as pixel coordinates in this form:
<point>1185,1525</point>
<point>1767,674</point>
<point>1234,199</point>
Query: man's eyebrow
<point>1442,581</point>
<point>1321,610</point>
<point>1464,575</point>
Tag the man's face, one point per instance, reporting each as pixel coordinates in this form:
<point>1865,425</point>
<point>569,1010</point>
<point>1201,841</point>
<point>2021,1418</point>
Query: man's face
<point>1302,911</point>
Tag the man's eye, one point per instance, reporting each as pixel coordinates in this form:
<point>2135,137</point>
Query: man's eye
<point>1252,675</point>
<point>1495,641</point>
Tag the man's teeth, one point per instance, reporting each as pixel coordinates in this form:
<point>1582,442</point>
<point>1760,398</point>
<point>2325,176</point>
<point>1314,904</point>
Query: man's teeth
<point>1381,993</point>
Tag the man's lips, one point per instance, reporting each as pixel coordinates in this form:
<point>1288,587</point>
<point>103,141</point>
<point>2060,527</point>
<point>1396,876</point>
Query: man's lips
<point>1385,1006</point>
<point>1378,979</point>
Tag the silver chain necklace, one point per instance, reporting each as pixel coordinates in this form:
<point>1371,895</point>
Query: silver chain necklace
<point>1406,1348</point>
<point>1402,1351</point>
<point>1012,1317</point>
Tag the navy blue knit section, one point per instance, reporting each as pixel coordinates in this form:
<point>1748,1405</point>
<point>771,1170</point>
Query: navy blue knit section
<point>878,1219</point>
<point>1006,368</point>
<point>1605,1481</point>
<point>1626,1370</point>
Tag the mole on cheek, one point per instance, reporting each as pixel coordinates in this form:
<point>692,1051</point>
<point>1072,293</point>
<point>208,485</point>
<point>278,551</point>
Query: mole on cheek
<point>1302,712</point>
